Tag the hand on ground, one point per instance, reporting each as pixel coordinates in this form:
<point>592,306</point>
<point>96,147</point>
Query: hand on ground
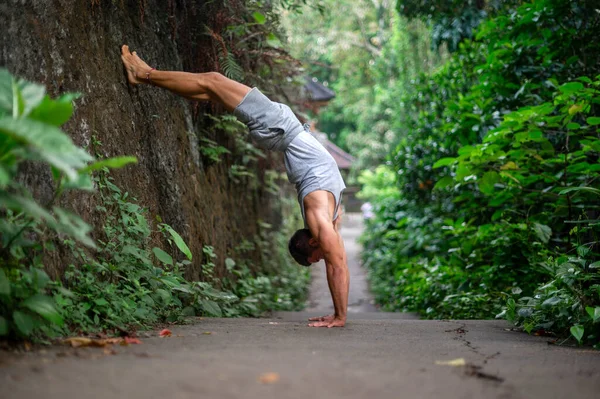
<point>136,68</point>
<point>327,321</point>
<point>322,318</point>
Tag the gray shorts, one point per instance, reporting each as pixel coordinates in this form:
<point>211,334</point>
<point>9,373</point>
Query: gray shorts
<point>272,125</point>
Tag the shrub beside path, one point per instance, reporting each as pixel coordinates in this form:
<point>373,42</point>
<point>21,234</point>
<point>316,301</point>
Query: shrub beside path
<point>377,355</point>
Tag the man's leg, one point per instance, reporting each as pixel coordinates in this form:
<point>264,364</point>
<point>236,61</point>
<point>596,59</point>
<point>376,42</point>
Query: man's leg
<point>211,86</point>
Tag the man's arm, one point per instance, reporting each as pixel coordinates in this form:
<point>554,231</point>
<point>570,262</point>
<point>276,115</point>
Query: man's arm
<point>338,277</point>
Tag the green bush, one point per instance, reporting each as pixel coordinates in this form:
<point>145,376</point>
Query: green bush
<point>497,170</point>
<point>30,132</point>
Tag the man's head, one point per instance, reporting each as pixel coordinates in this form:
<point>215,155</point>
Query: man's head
<point>304,248</point>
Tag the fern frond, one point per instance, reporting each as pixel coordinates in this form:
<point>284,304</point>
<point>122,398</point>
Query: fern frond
<point>231,68</point>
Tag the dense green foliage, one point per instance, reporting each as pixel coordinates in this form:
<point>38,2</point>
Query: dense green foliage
<point>30,132</point>
<point>120,281</point>
<point>498,171</point>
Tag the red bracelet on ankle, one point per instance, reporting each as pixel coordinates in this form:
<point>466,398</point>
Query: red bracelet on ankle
<point>148,75</point>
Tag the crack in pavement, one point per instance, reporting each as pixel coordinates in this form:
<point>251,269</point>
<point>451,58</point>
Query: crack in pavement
<point>470,369</point>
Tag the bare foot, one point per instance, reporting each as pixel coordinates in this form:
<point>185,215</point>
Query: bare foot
<point>136,68</point>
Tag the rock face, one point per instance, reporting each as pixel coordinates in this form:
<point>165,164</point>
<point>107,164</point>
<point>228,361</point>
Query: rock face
<point>74,46</point>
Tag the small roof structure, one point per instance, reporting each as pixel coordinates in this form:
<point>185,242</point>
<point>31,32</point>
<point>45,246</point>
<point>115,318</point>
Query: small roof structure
<point>317,96</point>
<point>317,91</point>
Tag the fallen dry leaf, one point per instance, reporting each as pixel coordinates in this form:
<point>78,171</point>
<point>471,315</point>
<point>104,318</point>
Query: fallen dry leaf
<point>455,363</point>
<point>269,378</point>
<point>206,333</point>
<point>77,342</point>
<point>109,351</point>
<point>165,333</point>
<point>112,341</point>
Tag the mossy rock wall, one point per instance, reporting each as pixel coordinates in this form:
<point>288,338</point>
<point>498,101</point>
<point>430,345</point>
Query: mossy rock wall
<point>74,46</point>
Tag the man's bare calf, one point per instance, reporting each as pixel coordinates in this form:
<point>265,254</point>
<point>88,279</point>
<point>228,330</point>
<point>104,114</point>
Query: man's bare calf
<point>210,86</point>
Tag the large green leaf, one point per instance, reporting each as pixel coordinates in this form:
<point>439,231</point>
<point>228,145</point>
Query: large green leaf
<point>552,301</point>
<point>224,296</point>
<point>594,313</point>
<point>30,96</point>
<point>163,256</point>
<point>112,163</point>
<point>101,302</point>
<point>210,307</point>
<point>49,143</point>
<point>179,242</point>
<point>4,284</point>
<point>577,331</point>
<point>487,182</point>
<point>444,162</point>
<point>259,18</point>
<point>44,306</point>
<point>24,322</point>
<point>570,88</point>
<point>54,112</point>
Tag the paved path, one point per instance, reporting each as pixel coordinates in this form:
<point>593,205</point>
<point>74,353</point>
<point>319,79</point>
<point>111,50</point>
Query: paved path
<point>378,355</point>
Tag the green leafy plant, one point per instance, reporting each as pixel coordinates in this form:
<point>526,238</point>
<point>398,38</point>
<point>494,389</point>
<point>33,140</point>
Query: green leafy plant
<point>566,305</point>
<point>30,133</point>
<point>211,150</point>
<point>128,284</point>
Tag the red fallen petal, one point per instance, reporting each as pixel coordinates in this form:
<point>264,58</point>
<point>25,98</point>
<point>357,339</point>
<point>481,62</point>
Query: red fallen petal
<point>165,333</point>
<point>132,340</point>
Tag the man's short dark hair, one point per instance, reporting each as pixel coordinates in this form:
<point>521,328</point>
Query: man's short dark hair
<point>299,247</point>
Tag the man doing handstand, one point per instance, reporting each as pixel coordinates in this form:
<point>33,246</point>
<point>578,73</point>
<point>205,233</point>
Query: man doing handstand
<point>309,166</point>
